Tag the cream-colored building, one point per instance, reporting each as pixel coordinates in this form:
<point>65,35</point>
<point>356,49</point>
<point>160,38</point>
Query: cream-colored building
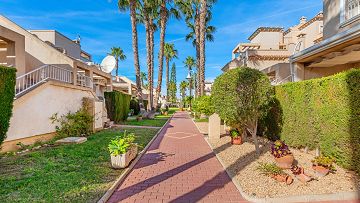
<point>269,48</point>
<point>340,48</point>
<point>53,76</point>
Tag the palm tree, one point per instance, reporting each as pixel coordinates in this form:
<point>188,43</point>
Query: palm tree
<point>147,13</point>
<point>132,5</point>
<point>183,86</point>
<point>189,62</point>
<point>119,54</point>
<point>202,33</point>
<point>195,12</point>
<point>170,53</point>
<point>143,78</point>
<point>167,10</point>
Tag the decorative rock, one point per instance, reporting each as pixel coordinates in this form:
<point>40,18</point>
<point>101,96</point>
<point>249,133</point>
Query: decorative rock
<point>72,140</point>
<point>214,127</point>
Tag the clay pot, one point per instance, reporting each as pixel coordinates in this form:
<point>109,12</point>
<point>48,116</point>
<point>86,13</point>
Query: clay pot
<point>139,118</point>
<point>165,113</point>
<point>320,171</point>
<point>285,162</point>
<point>303,178</point>
<point>236,140</point>
<point>284,178</point>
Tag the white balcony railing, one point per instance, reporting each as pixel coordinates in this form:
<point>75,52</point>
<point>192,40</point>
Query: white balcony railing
<point>39,75</point>
<point>84,81</point>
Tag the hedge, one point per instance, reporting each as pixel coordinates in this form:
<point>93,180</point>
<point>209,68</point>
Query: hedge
<point>324,113</point>
<point>134,105</point>
<point>7,94</point>
<point>203,105</point>
<point>117,105</point>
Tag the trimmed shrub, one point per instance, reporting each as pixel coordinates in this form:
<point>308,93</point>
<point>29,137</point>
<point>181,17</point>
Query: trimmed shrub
<point>134,105</point>
<point>324,113</point>
<point>203,105</point>
<point>7,94</point>
<point>117,105</point>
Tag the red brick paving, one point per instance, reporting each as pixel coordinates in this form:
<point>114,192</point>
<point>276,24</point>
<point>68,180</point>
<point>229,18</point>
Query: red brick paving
<point>179,166</point>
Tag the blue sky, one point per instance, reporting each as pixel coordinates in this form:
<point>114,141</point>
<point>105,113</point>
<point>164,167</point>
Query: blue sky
<point>101,26</point>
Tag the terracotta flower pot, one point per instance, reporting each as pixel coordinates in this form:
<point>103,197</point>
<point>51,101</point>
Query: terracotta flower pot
<point>303,178</point>
<point>236,140</point>
<point>283,178</point>
<point>285,162</point>
<point>139,118</point>
<point>320,171</point>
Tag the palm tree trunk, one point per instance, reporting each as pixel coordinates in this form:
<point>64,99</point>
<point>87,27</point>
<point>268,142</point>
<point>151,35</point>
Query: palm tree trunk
<point>117,67</point>
<point>148,56</point>
<point>136,52</point>
<point>163,20</point>
<point>197,39</point>
<point>203,13</point>
<point>167,78</point>
<point>151,73</point>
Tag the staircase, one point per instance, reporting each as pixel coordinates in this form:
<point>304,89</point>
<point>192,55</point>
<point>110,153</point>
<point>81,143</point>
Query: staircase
<point>31,80</point>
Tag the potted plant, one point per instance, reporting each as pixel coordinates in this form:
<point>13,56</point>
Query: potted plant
<point>139,118</point>
<point>300,174</point>
<point>122,150</point>
<point>275,172</point>
<point>282,154</point>
<point>322,165</point>
<point>235,137</point>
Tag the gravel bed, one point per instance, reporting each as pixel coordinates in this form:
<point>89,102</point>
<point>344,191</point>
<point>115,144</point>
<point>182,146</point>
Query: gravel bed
<point>241,161</point>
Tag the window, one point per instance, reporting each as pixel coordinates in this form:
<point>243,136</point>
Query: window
<point>352,8</point>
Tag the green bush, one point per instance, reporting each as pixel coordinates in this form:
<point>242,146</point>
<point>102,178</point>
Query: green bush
<point>324,113</point>
<point>240,97</point>
<point>117,105</point>
<point>78,124</point>
<point>203,105</point>
<point>7,94</point>
<point>134,105</point>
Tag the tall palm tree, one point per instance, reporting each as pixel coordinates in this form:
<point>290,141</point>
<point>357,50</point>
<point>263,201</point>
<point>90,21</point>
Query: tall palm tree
<point>119,54</point>
<point>183,86</point>
<point>132,5</point>
<point>195,12</point>
<point>170,53</point>
<point>167,9</point>
<point>146,15</point>
<point>202,33</point>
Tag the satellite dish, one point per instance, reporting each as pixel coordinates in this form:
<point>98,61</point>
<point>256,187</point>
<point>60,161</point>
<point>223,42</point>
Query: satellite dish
<point>108,64</point>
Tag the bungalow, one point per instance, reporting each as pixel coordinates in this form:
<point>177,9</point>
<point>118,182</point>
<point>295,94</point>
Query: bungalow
<point>53,76</point>
<point>340,48</point>
<point>270,48</point>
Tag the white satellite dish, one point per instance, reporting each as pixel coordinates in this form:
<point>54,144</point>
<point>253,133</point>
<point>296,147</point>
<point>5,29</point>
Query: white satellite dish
<point>108,64</point>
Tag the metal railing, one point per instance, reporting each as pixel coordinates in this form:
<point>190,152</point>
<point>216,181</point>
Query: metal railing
<point>84,81</point>
<point>39,75</point>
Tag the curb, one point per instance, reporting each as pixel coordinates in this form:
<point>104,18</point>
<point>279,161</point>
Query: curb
<point>300,198</point>
<point>126,172</point>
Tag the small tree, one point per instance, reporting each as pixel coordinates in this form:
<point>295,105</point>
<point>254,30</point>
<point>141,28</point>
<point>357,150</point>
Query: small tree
<point>203,105</point>
<point>239,97</point>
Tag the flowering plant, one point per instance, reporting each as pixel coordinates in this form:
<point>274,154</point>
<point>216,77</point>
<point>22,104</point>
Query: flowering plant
<point>279,149</point>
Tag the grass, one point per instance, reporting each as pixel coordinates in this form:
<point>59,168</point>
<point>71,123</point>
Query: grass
<point>170,113</point>
<point>66,173</point>
<point>157,122</point>
<point>202,120</point>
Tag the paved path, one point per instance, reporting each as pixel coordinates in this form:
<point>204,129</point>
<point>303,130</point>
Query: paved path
<point>179,166</point>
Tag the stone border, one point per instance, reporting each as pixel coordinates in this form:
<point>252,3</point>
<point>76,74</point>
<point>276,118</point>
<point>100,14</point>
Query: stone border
<point>127,170</point>
<point>300,198</point>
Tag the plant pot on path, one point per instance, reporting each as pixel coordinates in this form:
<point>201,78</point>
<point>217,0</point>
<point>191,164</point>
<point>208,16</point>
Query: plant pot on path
<point>236,140</point>
<point>285,162</point>
<point>123,160</point>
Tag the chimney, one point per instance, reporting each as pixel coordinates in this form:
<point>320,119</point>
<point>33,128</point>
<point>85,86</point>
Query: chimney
<point>303,20</point>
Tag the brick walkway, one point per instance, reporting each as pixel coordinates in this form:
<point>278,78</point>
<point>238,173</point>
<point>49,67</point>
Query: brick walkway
<point>178,167</point>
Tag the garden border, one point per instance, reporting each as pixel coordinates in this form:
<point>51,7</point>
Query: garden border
<point>299,198</point>
<point>126,171</point>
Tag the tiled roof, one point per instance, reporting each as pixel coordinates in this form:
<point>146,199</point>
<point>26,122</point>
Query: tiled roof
<point>265,29</point>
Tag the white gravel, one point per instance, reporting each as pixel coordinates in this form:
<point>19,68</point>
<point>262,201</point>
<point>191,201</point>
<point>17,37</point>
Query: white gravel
<point>241,161</point>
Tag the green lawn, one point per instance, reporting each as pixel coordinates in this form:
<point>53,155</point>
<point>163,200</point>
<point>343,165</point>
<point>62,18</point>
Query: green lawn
<point>170,113</point>
<point>157,122</point>
<point>66,173</point>
<point>202,120</point>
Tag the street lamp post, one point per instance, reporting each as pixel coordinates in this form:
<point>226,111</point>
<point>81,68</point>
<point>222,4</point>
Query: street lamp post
<point>189,78</point>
